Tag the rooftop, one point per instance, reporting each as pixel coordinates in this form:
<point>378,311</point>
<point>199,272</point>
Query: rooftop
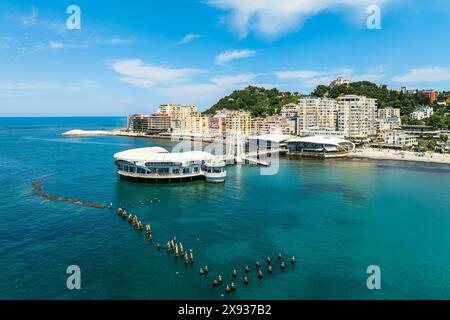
<point>270,137</point>
<point>320,140</point>
<point>157,154</point>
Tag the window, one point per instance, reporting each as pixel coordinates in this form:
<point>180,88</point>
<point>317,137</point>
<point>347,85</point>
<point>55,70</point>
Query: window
<point>186,170</point>
<point>163,171</point>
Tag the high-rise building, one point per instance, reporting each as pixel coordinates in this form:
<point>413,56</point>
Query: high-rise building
<point>176,111</point>
<point>290,113</point>
<point>316,113</point>
<point>357,116</point>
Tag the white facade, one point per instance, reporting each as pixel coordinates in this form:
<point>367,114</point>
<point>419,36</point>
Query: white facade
<point>400,139</point>
<point>357,116</point>
<point>157,164</point>
<point>422,113</point>
<point>388,124</point>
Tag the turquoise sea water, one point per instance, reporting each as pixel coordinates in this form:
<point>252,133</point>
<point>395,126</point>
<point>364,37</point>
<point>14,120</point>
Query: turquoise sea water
<point>337,217</point>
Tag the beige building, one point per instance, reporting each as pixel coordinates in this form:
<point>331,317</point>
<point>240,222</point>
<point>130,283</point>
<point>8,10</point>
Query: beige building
<point>180,117</point>
<point>237,121</point>
<point>197,124</point>
<point>312,112</point>
<point>176,111</point>
<point>388,113</point>
<point>357,116</point>
<point>271,125</point>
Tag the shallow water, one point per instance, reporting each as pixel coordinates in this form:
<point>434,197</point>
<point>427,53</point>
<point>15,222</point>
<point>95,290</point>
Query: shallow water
<point>337,217</point>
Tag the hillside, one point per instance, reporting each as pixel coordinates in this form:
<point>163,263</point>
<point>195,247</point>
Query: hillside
<point>386,98</point>
<point>258,101</point>
<point>263,102</point>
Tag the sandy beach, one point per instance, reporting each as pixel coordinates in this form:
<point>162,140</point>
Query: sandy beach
<point>376,154</point>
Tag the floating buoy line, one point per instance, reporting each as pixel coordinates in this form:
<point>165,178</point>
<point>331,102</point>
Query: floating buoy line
<point>39,190</point>
<point>173,247</point>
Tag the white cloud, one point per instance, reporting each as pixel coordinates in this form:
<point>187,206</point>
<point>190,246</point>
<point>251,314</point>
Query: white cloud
<point>229,55</point>
<point>29,19</point>
<point>114,41</point>
<point>142,75</point>
<point>38,86</point>
<point>274,17</point>
<point>188,38</point>
<point>312,78</point>
<point>208,93</point>
<point>180,84</point>
<point>424,75</point>
<point>297,74</point>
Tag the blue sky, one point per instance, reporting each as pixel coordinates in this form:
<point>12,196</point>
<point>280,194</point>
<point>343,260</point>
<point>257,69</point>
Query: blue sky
<point>131,56</point>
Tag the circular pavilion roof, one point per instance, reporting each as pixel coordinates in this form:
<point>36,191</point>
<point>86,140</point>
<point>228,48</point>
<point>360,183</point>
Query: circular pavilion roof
<point>157,154</point>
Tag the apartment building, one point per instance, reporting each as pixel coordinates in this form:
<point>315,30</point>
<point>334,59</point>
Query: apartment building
<point>388,124</point>
<point>197,124</point>
<point>357,116</point>
<point>271,125</point>
<point>149,123</point>
<point>177,111</point>
<point>422,113</point>
<point>388,113</point>
<point>317,113</point>
<point>217,124</point>
<point>238,122</point>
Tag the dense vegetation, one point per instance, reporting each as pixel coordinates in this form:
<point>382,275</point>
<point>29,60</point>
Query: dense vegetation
<point>386,98</point>
<point>439,120</point>
<point>259,101</point>
<point>263,102</point>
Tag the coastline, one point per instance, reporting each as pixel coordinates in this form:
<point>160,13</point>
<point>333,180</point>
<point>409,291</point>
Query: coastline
<point>367,153</point>
<point>374,154</point>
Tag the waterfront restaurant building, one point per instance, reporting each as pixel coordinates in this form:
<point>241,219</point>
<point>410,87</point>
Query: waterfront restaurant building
<point>157,165</point>
<point>320,146</point>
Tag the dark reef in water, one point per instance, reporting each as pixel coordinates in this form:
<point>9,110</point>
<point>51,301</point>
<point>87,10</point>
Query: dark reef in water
<point>346,191</point>
<point>39,190</point>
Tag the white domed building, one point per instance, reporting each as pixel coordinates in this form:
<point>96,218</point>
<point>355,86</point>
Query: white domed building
<point>157,165</point>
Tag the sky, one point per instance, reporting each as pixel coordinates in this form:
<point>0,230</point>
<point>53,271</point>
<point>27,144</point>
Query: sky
<point>130,56</point>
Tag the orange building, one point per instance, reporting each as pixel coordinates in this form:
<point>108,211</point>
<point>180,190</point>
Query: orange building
<point>431,95</point>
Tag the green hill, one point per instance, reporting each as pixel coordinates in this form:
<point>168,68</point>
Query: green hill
<point>386,98</point>
<point>263,102</point>
<point>259,101</point>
